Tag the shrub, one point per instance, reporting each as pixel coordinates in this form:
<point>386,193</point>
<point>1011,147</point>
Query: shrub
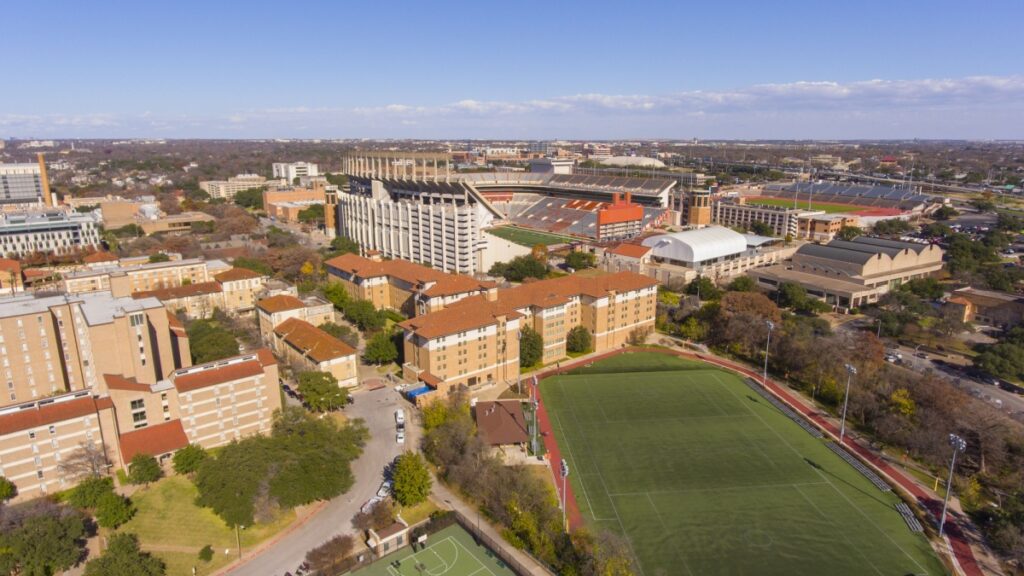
<point>144,469</point>
<point>206,554</point>
<point>188,459</point>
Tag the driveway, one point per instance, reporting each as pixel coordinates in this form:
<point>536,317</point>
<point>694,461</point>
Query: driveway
<point>377,408</point>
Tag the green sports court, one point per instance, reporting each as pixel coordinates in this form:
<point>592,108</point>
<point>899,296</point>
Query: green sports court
<point>449,552</point>
<point>704,477</point>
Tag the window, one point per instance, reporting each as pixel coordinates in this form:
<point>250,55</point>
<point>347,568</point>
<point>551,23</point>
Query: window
<point>53,429</point>
<point>135,319</point>
<point>31,434</point>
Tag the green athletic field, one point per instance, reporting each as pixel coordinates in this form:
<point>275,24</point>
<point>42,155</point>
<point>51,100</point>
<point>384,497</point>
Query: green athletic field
<point>788,202</point>
<point>703,476</point>
<point>525,237</point>
<point>450,552</point>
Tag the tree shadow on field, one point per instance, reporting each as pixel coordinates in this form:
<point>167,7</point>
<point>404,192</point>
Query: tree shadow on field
<point>754,400</point>
<point>820,469</point>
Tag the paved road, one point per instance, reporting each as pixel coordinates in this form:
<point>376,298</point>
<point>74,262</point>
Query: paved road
<point>377,408</point>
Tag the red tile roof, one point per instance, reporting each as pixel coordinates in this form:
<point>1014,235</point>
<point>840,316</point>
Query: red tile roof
<point>118,382</point>
<point>46,414</point>
<point>237,274</point>
<point>215,374</point>
<point>280,303</point>
<point>176,326</point>
<point>444,284</point>
<point>153,440</point>
<point>629,250</point>
<point>11,266</point>
<point>312,341</point>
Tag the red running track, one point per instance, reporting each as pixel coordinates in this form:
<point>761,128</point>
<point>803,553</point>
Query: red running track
<point>958,543</point>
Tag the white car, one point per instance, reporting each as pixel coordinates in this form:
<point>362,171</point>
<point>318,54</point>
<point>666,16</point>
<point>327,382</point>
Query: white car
<point>400,417</point>
<point>400,437</point>
<point>385,489</point>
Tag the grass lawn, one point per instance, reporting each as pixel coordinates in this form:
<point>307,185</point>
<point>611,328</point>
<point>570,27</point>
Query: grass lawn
<point>450,552</point>
<point>703,476</point>
<point>525,237</point>
<point>419,512</point>
<point>169,524</point>
<point>827,207</point>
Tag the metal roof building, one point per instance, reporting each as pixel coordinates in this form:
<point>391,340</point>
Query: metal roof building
<point>694,248</point>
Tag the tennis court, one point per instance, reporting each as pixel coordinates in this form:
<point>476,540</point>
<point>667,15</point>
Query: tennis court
<point>449,552</point>
<point>704,476</point>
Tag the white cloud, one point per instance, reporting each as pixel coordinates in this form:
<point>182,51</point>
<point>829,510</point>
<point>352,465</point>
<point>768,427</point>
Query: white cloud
<point>994,106</point>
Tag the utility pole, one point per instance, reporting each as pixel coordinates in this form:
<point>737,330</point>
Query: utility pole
<point>771,326</point>
<point>850,371</point>
<point>565,474</point>
<point>959,445</point>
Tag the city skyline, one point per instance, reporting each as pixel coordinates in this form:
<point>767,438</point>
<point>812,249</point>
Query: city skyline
<point>458,70</point>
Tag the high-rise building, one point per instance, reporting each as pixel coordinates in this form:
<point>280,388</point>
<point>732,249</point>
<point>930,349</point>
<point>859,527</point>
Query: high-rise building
<point>53,231</point>
<point>228,188</point>
<point>292,170</point>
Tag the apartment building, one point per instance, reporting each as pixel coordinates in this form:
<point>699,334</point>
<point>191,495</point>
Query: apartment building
<point>240,287</point>
<point>195,301</point>
<point>53,231</point>
<point>25,185</point>
<point>228,188</point>
<point>210,405</point>
<point>106,272</point>
<point>289,171</point>
<point>476,340</point>
<point>272,311</point>
<point>737,214</point>
<point>52,344</point>
<point>173,223</point>
<point>824,227</point>
<point>313,349</point>
<point>401,285</point>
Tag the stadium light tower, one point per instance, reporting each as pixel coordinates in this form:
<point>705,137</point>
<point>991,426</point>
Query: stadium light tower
<point>850,372</point>
<point>959,445</point>
<point>565,474</point>
<point>771,326</point>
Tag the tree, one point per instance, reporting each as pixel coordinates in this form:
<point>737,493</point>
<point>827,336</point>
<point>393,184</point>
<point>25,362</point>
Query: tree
<point>7,490</point>
<point>762,229</point>
<point>45,540</point>
<point>945,213</point>
<point>209,341</point>
<point>531,347</point>
<point>144,469</point>
<point>206,554</point>
<point>849,232</point>
<point>112,510</point>
<point>411,479</point>
<point>159,257</point>
<point>88,493</point>
<point>380,516</point>
<point>891,227</point>
<point>321,391</point>
<point>251,198</point>
<point>333,556</point>
<point>580,260</point>
<point>123,557</point>
<point>188,459</point>
<point>578,340</point>
<point>254,265</point>
<point>926,288</point>
<point>742,284</point>
<point>341,332</point>
<point>343,245</point>
<point>314,213</point>
<point>363,314</point>
<point>520,268</point>
<point>703,287</point>
<point>381,349</point>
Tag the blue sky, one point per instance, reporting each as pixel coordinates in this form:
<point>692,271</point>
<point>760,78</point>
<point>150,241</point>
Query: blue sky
<point>518,70</point>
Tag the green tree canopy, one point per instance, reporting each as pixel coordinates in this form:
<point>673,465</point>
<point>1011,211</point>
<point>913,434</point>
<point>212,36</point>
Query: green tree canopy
<point>742,284</point>
<point>580,260</point>
<point>761,228</point>
<point>314,213</point>
<point>381,349</point>
<point>123,557</point>
<point>343,245</point>
<point>7,489</point>
<point>112,510</point>
<point>321,391</point>
<point>341,332</point>
<point>250,198</point>
<point>704,287</point>
<point>531,347</point>
<point>254,265</point>
<point>411,479</point>
<point>578,340</point>
<point>42,541</point>
<point>520,268</point>
<point>188,459</point>
<point>159,257</point>
<point>363,314</point>
<point>849,232</point>
<point>209,341</point>
<point>88,493</point>
<point>144,469</point>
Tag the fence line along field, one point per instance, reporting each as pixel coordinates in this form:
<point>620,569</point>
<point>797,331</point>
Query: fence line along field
<point>704,476</point>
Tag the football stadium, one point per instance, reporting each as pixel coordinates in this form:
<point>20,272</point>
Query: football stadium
<point>705,473</point>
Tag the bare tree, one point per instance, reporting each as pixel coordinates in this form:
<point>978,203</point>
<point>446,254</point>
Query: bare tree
<point>87,461</point>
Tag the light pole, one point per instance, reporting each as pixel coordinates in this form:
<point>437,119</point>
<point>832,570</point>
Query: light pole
<point>565,474</point>
<point>879,335</point>
<point>850,371</point>
<point>771,326</point>
<point>959,445</point>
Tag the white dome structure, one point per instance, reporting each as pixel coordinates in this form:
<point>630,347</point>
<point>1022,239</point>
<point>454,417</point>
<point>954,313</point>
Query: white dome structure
<point>633,162</point>
<point>692,248</point>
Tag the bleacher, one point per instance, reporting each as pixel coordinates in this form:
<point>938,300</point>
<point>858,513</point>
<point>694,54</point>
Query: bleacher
<point>789,412</point>
<point>844,192</point>
<point>908,516</point>
<point>860,467</point>
<point>562,215</point>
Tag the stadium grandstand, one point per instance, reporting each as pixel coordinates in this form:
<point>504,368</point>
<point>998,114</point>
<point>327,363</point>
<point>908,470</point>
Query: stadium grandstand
<point>858,194</point>
<point>412,205</point>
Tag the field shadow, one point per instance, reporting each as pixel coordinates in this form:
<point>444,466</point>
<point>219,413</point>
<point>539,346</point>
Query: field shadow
<point>823,470</point>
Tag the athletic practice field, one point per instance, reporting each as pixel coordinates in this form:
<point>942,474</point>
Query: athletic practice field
<point>704,477</point>
<point>450,552</point>
<point>788,203</point>
<point>525,237</point>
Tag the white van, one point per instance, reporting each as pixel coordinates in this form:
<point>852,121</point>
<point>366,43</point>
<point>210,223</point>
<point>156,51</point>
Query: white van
<point>400,417</point>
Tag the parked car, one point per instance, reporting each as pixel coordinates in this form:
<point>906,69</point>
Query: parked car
<point>385,489</point>
<point>400,437</point>
<point>400,417</point>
